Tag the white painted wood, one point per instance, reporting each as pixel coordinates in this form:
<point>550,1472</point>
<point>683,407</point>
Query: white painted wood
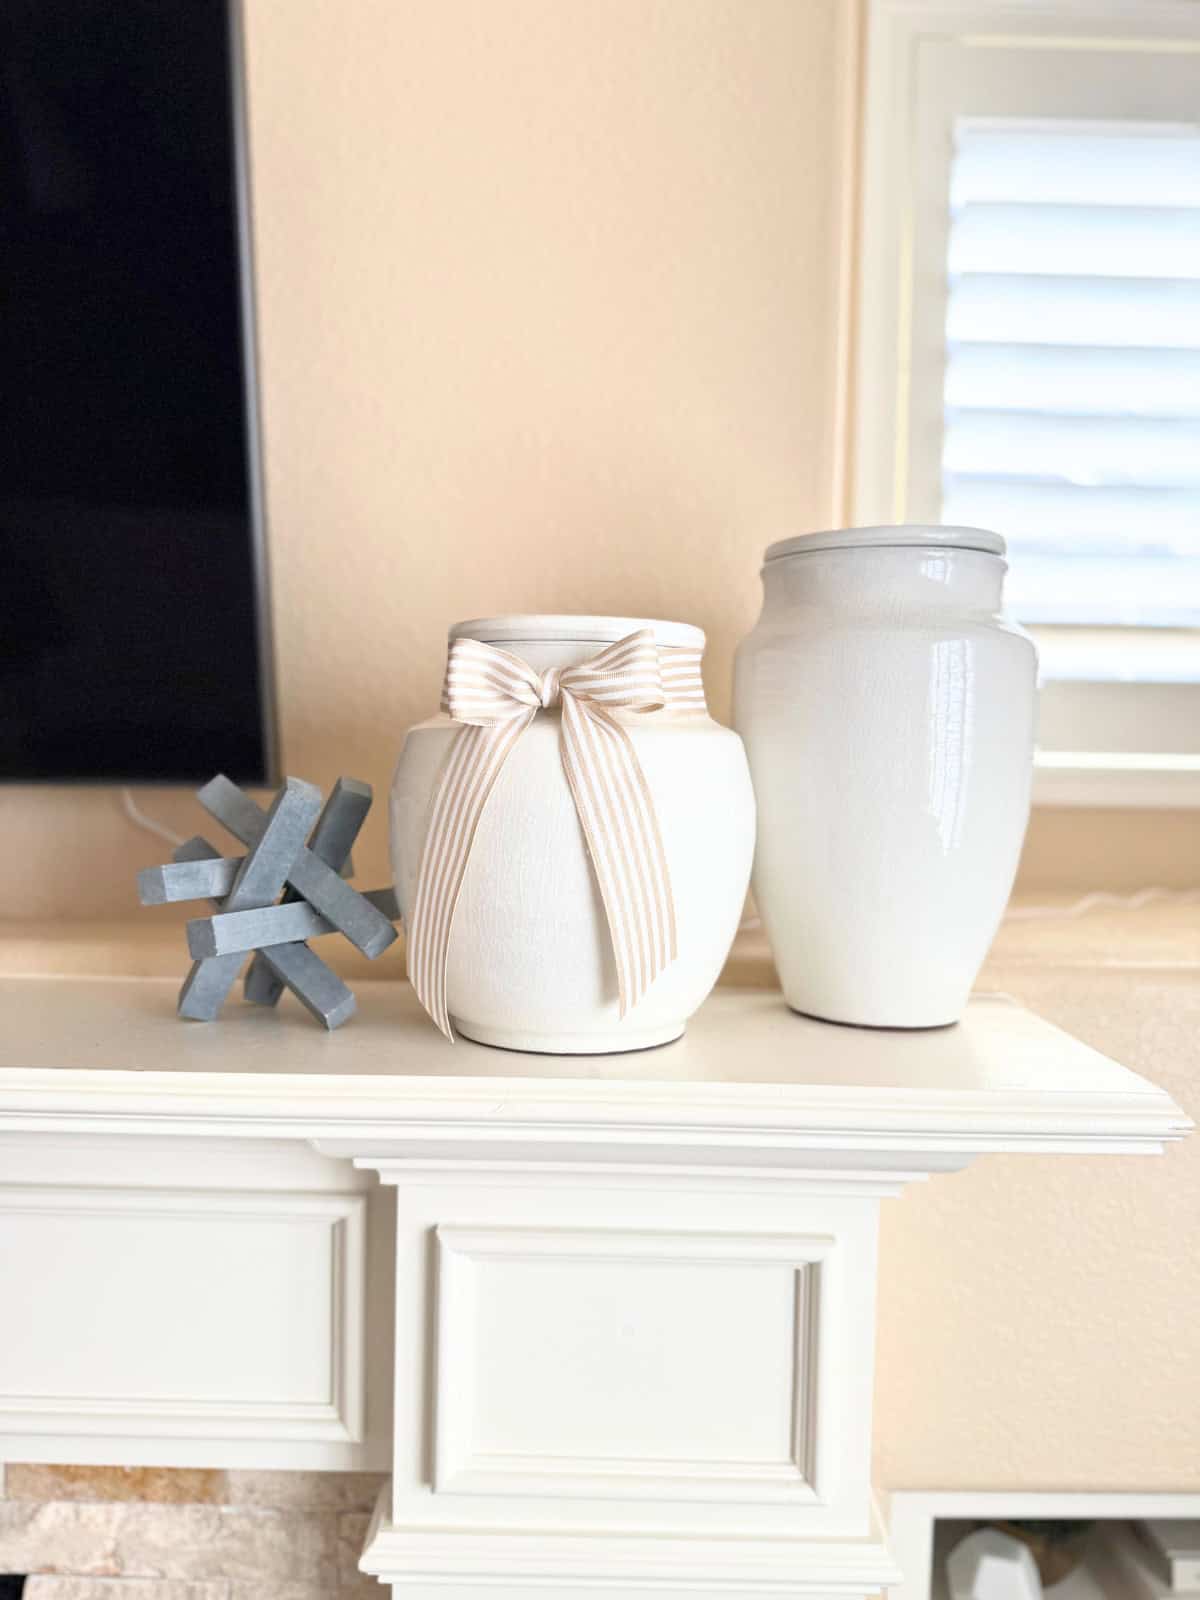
<point>660,1375</point>
<point>607,1419</point>
<point>634,1298</point>
<point>485,1565</point>
<point>704,1348</point>
<point>189,1302</point>
<point>267,1289</point>
<point>897,439</point>
<point>914,1514</point>
<point>749,1077</point>
<point>925,60</point>
<point>1111,778</point>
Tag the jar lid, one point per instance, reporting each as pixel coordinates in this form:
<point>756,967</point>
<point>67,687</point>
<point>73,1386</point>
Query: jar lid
<point>587,630</point>
<point>929,535</point>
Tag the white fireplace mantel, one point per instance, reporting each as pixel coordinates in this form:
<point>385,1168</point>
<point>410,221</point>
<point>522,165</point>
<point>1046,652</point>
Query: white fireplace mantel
<point>625,1305</point>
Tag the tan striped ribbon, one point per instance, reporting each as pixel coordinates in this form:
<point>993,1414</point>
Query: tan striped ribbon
<point>496,695</point>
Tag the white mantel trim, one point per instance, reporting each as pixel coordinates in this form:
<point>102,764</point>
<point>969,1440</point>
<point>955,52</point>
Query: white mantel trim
<point>615,1564</point>
<point>751,1086</point>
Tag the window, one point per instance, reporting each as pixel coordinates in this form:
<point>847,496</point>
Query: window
<point>1072,385</point>
<point>1029,347</point>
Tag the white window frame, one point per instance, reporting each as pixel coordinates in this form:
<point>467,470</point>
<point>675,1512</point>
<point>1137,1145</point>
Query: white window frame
<point>1166,710</point>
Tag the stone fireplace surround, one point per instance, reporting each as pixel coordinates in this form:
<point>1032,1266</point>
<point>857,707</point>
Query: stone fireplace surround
<point>192,1533</point>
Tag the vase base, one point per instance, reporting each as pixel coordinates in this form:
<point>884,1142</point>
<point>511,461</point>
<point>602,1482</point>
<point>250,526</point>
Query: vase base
<point>568,1044</point>
<point>874,1027</point>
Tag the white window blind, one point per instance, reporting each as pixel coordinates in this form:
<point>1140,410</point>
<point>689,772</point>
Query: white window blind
<point>1072,389</point>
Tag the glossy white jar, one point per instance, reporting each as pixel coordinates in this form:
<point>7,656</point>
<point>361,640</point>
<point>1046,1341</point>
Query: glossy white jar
<point>888,715</point>
<point>530,963</point>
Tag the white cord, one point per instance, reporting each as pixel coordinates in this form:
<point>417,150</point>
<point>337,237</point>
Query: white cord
<point>140,819</point>
<point>1098,898</point>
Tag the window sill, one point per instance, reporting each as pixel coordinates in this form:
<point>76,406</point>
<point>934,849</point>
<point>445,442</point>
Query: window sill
<point>1118,718</point>
<point>1117,655</point>
<point>1116,780</point>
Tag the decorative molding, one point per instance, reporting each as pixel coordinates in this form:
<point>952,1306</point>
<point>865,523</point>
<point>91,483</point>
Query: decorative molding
<point>897,30</point>
<point>1101,778</point>
<point>407,1164</point>
<point>477,1563</point>
<point>751,1087</point>
<point>461,1468</point>
<point>709,1209</point>
<point>897,432</point>
<point>1126,18</point>
<point>338,1417</point>
<point>847,116</point>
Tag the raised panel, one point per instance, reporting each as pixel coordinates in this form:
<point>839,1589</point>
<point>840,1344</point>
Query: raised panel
<point>230,1314</point>
<point>604,1362</point>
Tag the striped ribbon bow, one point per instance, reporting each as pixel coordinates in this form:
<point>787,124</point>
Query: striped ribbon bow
<point>496,695</point>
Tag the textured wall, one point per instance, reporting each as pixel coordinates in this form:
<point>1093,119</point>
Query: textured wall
<point>549,307</point>
<point>550,304</point>
<point>1038,1315</point>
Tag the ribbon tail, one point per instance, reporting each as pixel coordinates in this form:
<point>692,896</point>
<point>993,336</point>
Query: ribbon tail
<point>617,815</point>
<point>473,763</point>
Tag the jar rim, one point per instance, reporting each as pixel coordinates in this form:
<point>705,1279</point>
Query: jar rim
<point>902,535</point>
<point>543,628</point>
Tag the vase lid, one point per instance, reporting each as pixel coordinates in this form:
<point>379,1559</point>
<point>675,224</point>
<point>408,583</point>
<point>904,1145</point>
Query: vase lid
<point>927,535</point>
<point>584,630</point>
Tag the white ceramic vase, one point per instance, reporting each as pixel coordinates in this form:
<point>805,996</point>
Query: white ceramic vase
<point>530,964</point>
<point>888,715</point>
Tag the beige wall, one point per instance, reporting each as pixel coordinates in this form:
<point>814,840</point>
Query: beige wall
<point>1119,850</point>
<point>548,301</point>
<point>1038,1315</point>
<point>551,297</point>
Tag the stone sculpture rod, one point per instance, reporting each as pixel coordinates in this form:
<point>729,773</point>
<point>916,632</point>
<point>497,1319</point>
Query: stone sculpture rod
<point>332,839</point>
<point>321,886</point>
<point>259,879</point>
<point>228,931</point>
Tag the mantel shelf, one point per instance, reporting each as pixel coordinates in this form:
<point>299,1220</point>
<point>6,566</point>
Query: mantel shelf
<point>508,1278</point>
<point>105,1054</point>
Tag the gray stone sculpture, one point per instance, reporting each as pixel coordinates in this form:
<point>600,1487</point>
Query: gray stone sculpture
<point>282,892</point>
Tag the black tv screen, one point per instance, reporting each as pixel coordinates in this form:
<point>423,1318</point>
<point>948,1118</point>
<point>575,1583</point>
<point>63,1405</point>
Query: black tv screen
<point>132,635</point>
